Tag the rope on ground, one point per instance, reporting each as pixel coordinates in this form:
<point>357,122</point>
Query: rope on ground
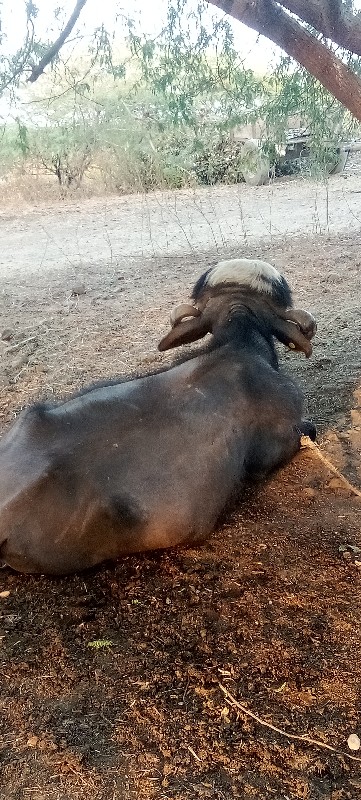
<point>308,444</point>
<point>233,702</point>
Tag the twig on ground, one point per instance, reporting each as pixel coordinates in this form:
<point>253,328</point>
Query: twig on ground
<point>193,753</point>
<point>17,346</point>
<point>233,702</point>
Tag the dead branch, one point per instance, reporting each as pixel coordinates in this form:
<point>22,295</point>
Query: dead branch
<point>54,49</point>
<point>307,444</point>
<point>233,702</point>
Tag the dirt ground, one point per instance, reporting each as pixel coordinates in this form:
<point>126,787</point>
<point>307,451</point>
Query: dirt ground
<point>122,683</point>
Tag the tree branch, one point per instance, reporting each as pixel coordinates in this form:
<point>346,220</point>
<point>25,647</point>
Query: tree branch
<point>331,19</point>
<point>269,19</point>
<point>10,78</point>
<point>54,49</point>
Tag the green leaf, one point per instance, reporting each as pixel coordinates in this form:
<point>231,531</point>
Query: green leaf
<point>99,643</point>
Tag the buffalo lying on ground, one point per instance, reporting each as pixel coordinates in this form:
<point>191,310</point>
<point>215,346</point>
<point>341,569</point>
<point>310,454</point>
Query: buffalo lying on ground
<point>151,462</point>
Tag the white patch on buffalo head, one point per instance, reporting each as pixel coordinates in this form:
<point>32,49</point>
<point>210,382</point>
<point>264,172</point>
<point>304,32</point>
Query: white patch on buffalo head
<point>252,272</point>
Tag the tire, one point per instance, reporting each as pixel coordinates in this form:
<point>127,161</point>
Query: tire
<point>255,165</point>
<point>340,164</point>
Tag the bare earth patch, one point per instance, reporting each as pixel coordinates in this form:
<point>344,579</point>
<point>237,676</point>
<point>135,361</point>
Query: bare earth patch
<point>110,680</point>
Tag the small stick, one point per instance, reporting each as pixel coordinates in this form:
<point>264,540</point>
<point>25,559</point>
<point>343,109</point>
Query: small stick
<point>233,702</point>
<point>16,347</point>
<point>308,444</point>
<point>193,753</point>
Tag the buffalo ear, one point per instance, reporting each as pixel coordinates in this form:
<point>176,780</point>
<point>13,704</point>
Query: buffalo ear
<point>185,332</point>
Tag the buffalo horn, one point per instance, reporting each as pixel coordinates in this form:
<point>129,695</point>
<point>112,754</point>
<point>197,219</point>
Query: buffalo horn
<point>181,312</point>
<point>290,334</point>
<point>305,321</point>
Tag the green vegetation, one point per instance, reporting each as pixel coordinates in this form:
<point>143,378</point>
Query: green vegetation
<point>97,644</point>
<point>166,113</point>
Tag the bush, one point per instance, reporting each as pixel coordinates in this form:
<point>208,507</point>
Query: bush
<point>219,163</point>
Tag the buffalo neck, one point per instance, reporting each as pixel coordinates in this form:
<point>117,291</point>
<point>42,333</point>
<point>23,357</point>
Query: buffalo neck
<point>244,332</point>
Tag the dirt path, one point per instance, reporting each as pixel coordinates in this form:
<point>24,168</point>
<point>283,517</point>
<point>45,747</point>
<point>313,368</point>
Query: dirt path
<point>103,231</point>
<point>110,681</point>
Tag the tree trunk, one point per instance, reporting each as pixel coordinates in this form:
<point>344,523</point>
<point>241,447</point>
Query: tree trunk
<point>330,18</point>
<point>269,19</point>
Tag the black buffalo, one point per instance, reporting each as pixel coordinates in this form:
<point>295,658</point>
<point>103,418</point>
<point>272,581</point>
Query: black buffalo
<point>151,462</point>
